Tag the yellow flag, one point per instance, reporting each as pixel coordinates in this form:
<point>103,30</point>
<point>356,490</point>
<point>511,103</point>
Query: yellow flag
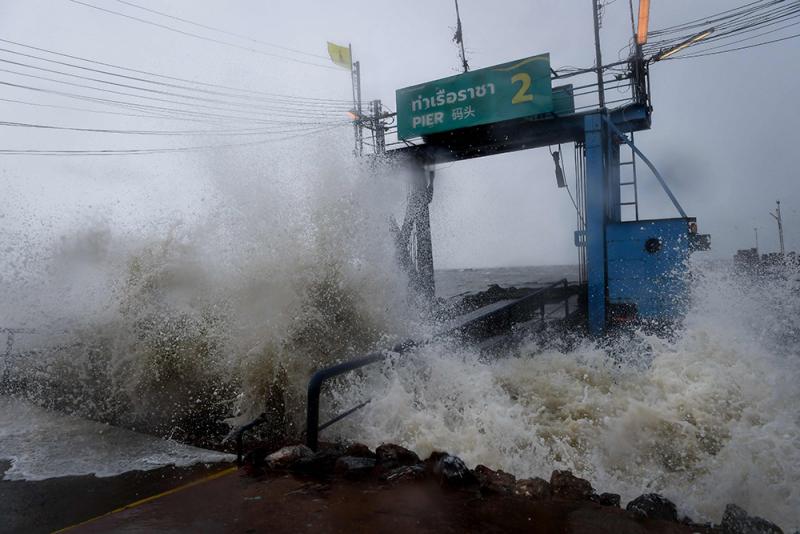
<point>340,54</point>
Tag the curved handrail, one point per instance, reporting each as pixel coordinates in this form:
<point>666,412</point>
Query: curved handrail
<point>318,379</point>
<point>321,376</point>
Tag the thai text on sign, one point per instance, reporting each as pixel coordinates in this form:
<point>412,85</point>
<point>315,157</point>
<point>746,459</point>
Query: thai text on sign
<point>516,89</point>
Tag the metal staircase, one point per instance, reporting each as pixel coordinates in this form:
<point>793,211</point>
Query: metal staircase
<point>632,182</point>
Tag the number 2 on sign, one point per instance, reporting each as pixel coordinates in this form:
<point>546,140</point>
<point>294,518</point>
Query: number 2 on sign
<point>522,95</point>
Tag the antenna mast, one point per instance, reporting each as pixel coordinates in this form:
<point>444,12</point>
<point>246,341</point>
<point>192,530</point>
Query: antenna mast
<point>459,39</point>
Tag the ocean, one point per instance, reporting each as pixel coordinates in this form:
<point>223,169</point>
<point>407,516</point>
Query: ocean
<point>454,282</point>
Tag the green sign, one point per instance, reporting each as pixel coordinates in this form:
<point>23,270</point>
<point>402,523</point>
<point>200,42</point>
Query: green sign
<point>516,89</point>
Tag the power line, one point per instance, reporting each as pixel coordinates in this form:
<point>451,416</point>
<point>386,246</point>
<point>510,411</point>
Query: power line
<point>749,38</point>
<point>281,100</point>
<point>182,114</point>
<point>151,115</point>
<point>738,48</point>
<point>729,24</point>
<point>298,108</point>
<point>705,21</point>
<point>165,132</point>
<point>225,32</point>
<point>84,110</point>
<point>150,151</point>
<point>167,77</point>
<point>202,37</point>
<point>262,111</point>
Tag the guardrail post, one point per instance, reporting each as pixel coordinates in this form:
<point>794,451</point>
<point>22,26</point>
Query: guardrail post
<point>312,413</point>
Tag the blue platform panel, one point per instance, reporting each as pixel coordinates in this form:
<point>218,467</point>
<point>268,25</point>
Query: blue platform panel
<point>647,266</point>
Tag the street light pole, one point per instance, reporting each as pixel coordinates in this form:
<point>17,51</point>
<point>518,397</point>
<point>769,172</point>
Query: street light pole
<point>777,217</point>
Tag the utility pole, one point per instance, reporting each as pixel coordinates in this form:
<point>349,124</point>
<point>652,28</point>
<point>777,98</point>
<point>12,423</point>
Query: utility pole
<point>777,217</point>
<point>378,131</point>
<point>755,230</point>
<point>598,58</point>
<point>459,39</point>
<point>358,126</point>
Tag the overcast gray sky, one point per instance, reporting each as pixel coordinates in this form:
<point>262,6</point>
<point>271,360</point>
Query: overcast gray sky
<point>724,127</point>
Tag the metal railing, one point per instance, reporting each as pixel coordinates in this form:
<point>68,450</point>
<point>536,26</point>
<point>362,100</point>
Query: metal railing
<point>318,379</point>
<point>313,427</point>
<point>527,307</point>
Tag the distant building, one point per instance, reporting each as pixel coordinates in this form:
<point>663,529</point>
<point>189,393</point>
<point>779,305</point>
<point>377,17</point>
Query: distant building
<point>746,259</point>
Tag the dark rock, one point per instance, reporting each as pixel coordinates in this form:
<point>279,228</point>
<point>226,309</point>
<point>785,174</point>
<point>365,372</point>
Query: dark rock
<point>736,521</point>
<point>653,506</point>
<point>359,450</point>
<point>697,527</point>
<point>609,499</point>
<point>321,463</point>
<point>354,467</point>
<point>449,470</point>
<point>255,461</point>
<point>391,456</point>
<point>491,295</point>
<point>407,472</point>
<point>533,488</point>
<point>286,457</point>
<point>491,481</point>
<point>565,485</point>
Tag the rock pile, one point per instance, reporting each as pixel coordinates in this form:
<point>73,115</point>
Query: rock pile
<point>392,464</point>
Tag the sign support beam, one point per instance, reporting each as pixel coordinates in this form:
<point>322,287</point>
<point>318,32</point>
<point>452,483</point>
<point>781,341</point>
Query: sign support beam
<point>596,218</point>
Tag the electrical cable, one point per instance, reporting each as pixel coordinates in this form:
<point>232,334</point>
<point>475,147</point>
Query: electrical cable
<point>331,103</point>
<point>704,21</point>
<point>161,132</point>
<point>149,151</point>
<point>566,184</point>
<point>204,38</point>
<point>182,114</point>
<point>729,25</point>
<point>84,110</point>
<point>747,38</point>
<point>300,109</point>
<point>737,23</point>
<point>738,48</point>
<point>166,77</point>
<point>730,31</point>
<point>225,32</point>
<point>277,113</point>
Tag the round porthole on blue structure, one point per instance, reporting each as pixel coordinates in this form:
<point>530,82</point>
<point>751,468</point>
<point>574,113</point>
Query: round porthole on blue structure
<point>652,245</point>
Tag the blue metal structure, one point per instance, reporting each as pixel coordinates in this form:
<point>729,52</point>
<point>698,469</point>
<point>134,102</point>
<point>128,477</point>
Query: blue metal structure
<point>633,268</point>
<point>636,268</point>
<point>647,266</point>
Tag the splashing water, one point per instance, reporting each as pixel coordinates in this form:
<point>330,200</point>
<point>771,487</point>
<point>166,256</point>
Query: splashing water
<point>707,418</point>
<point>176,324</point>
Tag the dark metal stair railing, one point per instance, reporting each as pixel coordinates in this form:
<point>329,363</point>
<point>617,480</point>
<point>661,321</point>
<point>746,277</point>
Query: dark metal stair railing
<point>534,301</point>
<point>318,379</point>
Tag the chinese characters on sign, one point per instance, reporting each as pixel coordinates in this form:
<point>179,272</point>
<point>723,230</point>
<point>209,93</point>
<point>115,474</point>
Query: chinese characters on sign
<point>463,113</point>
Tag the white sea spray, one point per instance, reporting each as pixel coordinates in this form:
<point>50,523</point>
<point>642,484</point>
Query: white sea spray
<point>285,265</point>
<point>706,418</point>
